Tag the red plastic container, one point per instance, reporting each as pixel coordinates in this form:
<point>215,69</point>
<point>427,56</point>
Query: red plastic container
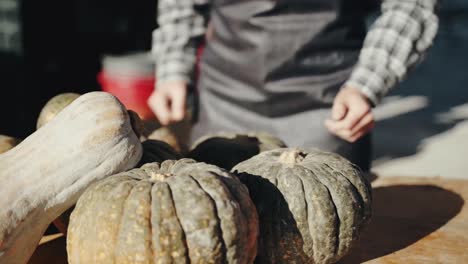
<point>132,91</point>
<point>131,78</point>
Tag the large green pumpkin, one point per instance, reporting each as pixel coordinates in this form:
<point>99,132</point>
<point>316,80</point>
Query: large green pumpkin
<point>311,204</point>
<point>177,212</point>
<point>228,149</point>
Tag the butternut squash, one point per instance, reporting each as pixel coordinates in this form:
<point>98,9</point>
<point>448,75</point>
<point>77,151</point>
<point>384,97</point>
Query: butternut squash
<point>45,174</point>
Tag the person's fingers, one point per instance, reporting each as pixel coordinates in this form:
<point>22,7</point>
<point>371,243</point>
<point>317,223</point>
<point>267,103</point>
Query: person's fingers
<point>365,120</point>
<point>361,133</point>
<point>355,114</point>
<point>339,110</point>
<point>159,103</point>
<point>209,32</point>
<point>346,134</point>
<point>178,99</point>
<point>343,134</point>
<point>332,126</point>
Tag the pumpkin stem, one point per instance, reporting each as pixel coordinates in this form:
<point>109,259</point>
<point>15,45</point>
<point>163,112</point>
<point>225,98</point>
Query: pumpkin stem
<point>159,177</point>
<point>137,124</point>
<point>291,157</point>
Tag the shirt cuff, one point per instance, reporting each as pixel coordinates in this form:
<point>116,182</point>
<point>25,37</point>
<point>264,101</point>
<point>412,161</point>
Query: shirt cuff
<point>176,67</point>
<point>368,82</point>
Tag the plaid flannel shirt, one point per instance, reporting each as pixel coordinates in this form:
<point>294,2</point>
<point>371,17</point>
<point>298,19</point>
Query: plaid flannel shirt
<point>395,43</point>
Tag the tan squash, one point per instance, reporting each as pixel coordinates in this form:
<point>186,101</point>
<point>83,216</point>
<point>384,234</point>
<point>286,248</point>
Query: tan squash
<point>54,106</point>
<point>177,135</point>
<point>46,173</point>
<point>51,109</point>
<point>7,143</point>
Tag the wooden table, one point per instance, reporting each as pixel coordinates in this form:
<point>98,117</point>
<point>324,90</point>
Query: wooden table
<point>415,220</point>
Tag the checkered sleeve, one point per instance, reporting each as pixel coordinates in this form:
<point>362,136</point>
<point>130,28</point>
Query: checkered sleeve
<point>182,25</point>
<point>395,43</point>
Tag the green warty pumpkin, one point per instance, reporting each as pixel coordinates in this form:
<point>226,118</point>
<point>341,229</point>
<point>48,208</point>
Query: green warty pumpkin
<point>177,212</point>
<point>311,204</point>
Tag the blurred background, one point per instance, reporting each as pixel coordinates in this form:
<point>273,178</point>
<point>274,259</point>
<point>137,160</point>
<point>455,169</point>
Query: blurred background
<point>50,47</point>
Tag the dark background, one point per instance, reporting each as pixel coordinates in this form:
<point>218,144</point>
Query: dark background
<point>58,48</point>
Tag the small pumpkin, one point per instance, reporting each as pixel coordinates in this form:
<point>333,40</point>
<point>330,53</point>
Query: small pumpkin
<point>157,151</point>
<point>228,149</point>
<point>54,106</point>
<point>45,174</point>
<point>177,135</point>
<point>7,143</point>
<point>175,212</point>
<point>311,204</point>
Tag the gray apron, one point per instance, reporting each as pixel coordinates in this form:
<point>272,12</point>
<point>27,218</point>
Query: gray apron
<point>276,66</point>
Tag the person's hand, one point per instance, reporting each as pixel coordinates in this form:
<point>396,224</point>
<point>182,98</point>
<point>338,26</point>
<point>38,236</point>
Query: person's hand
<point>168,101</point>
<point>351,115</point>
<point>209,32</point>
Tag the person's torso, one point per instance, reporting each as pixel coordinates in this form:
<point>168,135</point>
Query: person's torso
<point>272,50</point>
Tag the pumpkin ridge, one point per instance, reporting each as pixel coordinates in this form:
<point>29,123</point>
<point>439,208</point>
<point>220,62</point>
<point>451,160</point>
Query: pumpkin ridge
<point>290,246</point>
<point>357,195</point>
<point>93,193</point>
<point>245,205</point>
<point>338,177</point>
<point>180,224</point>
<point>318,244</point>
<point>177,212</point>
<point>183,233</point>
<point>275,170</point>
<point>359,182</point>
<point>335,201</point>
<point>219,221</point>
<point>312,210</point>
<point>362,187</point>
<point>357,200</point>
<point>124,208</point>
<point>307,213</point>
<point>338,215</point>
<point>134,232</point>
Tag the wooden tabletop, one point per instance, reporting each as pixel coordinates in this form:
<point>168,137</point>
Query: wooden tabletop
<point>415,220</point>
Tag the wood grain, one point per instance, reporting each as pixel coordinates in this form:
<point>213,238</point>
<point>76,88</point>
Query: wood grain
<point>416,220</point>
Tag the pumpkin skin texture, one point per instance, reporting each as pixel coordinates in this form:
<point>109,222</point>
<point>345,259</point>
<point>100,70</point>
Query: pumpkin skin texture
<point>228,149</point>
<point>7,143</point>
<point>175,212</point>
<point>157,151</point>
<point>54,106</point>
<point>311,204</point>
<point>46,173</point>
<point>48,112</point>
